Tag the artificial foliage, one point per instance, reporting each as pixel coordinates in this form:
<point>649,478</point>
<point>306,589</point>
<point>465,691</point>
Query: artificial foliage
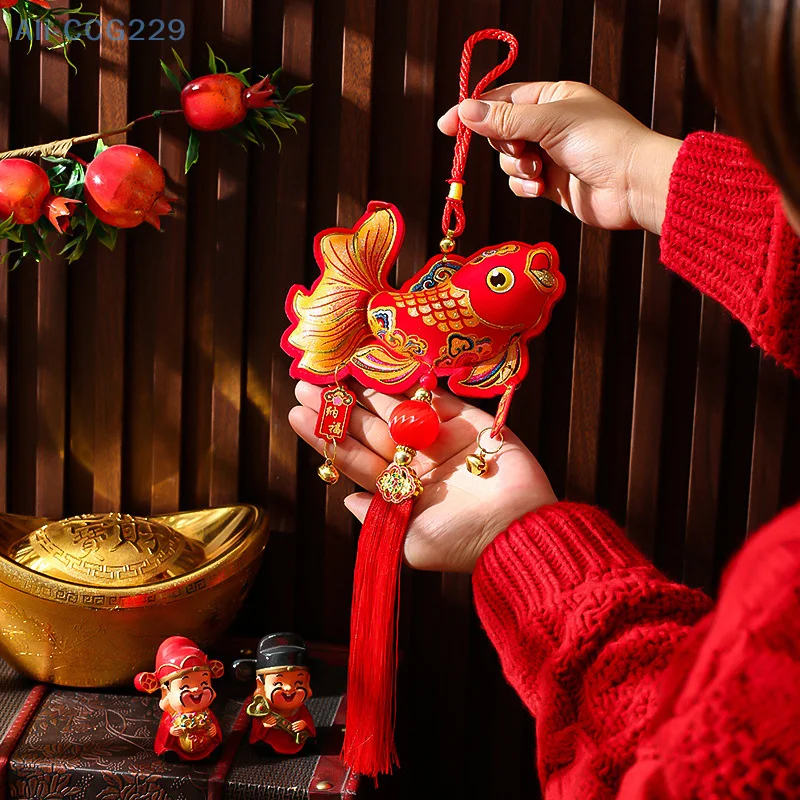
<point>123,186</point>
<point>33,16</point>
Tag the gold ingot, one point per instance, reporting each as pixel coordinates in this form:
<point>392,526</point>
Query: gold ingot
<point>328,472</point>
<point>476,464</point>
<point>107,550</point>
<point>86,601</point>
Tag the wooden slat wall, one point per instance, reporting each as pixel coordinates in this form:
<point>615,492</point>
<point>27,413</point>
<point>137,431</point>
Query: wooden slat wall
<point>151,378</point>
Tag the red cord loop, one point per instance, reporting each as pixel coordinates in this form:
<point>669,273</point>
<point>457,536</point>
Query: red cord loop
<point>454,218</point>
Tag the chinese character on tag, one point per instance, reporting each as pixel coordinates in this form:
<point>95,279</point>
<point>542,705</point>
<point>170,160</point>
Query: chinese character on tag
<point>334,413</point>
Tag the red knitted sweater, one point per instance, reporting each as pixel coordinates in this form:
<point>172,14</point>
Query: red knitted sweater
<point>641,687</point>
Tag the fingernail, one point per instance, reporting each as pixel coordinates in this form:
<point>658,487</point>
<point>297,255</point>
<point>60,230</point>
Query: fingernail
<point>473,110</point>
<point>531,188</point>
<point>526,166</point>
<point>513,148</point>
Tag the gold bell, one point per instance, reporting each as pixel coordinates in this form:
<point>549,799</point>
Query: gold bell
<point>476,464</point>
<point>328,472</point>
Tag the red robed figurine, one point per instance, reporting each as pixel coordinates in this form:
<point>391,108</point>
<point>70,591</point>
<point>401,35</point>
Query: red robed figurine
<point>184,674</point>
<point>283,684</point>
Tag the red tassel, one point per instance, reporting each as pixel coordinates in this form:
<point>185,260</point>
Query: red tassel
<point>369,747</point>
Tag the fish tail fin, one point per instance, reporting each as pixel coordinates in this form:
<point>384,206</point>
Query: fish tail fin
<point>331,320</point>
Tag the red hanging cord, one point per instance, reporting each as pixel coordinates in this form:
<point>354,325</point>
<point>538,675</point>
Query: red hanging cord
<point>369,747</point>
<point>453,220</point>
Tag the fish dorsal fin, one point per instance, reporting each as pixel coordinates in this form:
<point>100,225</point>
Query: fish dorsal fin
<point>361,258</point>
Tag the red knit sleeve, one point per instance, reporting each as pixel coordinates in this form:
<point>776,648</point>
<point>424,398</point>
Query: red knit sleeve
<point>725,231</point>
<point>584,627</point>
<point>728,717</point>
<point>636,690</point>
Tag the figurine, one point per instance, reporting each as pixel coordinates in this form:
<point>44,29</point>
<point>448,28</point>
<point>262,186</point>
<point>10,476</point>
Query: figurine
<point>283,684</point>
<point>184,674</point>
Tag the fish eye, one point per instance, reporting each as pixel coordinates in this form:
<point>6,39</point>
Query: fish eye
<point>500,280</point>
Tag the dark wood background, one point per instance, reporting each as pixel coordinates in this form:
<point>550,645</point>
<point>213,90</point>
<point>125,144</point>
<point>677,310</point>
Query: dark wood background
<point>150,379</point>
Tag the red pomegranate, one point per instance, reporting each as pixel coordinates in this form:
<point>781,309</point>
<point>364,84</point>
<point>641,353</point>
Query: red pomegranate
<point>217,102</point>
<point>12,3</point>
<point>25,194</point>
<point>125,187</point>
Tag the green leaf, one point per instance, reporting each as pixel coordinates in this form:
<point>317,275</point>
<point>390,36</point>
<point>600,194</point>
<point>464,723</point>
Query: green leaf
<point>14,233</point>
<point>275,75</point>
<point>107,235</point>
<point>297,90</point>
<point>179,62</point>
<point>279,122</point>
<point>173,79</point>
<point>74,187</point>
<point>35,244</point>
<point>67,177</point>
<point>69,61</point>
<point>241,76</point>
<point>38,12</point>
<point>236,135</point>
<point>70,245</point>
<point>74,249</point>
<point>251,137</point>
<point>212,60</point>
<point>90,221</point>
<point>100,147</point>
<point>277,138</point>
<point>9,23</point>
<point>192,151</point>
<point>6,225</point>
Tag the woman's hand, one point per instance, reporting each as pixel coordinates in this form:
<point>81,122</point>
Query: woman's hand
<point>458,514</point>
<point>570,143</point>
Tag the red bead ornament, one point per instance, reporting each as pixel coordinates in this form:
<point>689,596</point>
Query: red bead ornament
<point>428,381</point>
<point>414,424</point>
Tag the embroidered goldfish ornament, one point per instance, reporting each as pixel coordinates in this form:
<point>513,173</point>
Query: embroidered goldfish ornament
<point>464,319</point>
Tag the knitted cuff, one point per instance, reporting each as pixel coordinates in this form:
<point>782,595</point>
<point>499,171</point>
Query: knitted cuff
<point>776,321</point>
<point>720,210</point>
<point>543,555</point>
<point>725,232</point>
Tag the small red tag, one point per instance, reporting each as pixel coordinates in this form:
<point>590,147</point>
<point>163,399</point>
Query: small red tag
<point>334,413</point>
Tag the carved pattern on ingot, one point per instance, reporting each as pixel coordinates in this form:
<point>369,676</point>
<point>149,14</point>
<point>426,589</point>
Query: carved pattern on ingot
<point>109,549</point>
